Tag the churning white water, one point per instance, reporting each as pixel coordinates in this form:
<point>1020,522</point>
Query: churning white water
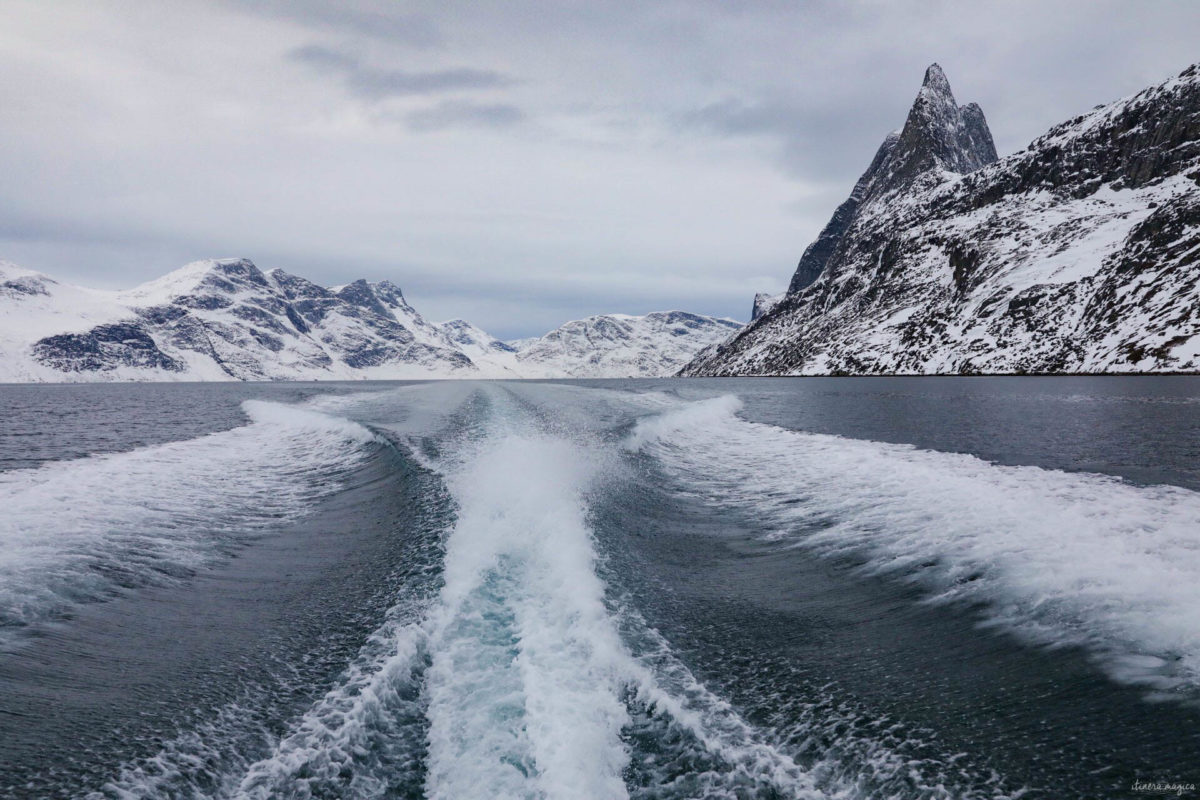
<point>522,679</point>
<point>1066,558</point>
<point>521,665</point>
<point>74,531</point>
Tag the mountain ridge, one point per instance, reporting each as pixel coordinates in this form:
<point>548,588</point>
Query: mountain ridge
<point>226,319</point>
<point>937,134</point>
<point>1077,254</point>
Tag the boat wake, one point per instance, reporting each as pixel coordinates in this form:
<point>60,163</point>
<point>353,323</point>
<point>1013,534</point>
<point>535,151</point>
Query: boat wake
<point>525,672</point>
<point>517,681</point>
<point>1059,558</point>
<point>79,531</point>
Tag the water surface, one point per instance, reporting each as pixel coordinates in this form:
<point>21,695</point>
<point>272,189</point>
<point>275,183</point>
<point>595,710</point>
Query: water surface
<point>963,587</point>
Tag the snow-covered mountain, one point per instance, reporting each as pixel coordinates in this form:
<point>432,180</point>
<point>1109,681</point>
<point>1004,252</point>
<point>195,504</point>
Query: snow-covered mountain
<point>216,320</point>
<point>763,303</point>
<point>496,358</point>
<point>1081,253</point>
<point>226,319</point>
<point>611,345</point>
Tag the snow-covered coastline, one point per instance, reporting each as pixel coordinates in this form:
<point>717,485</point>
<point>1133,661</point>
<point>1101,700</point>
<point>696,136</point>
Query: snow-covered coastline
<point>225,319</point>
<point>1076,255</point>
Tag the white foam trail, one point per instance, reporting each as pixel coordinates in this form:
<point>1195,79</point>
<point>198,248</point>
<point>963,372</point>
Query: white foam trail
<point>1063,557</point>
<point>413,415</point>
<point>573,408</point>
<point>530,675</point>
<point>525,694</point>
<point>522,692</point>
<point>519,680</point>
<point>416,409</point>
<point>363,727</point>
<point>82,530</point>
<point>524,686</point>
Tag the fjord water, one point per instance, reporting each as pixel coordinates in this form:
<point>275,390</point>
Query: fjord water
<point>772,588</point>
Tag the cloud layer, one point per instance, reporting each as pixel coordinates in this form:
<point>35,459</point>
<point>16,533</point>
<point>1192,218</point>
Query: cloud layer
<point>514,164</point>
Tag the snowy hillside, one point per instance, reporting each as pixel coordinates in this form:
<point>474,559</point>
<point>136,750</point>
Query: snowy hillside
<point>1080,253</point>
<point>216,320</point>
<point>618,345</point>
<point>495,358</point>
<point>226,319</point>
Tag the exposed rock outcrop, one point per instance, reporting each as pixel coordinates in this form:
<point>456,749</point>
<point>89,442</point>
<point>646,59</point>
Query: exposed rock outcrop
<point>1077,254</point>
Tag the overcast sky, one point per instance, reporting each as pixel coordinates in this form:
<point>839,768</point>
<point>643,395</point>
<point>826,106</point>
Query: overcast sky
<point>518,164</point>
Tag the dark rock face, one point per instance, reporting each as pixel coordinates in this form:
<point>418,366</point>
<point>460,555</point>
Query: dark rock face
<point>23,285</point>
<point>104,348</point>
<point>1126,145</point>
<point>817,254</point>
<point>361,295</point>
<point>297,321</point>
<point>1077,254</point>
<point>937,135</point>
<point>1154,278</point>
<point>389,294</point>
<point>763,303</point>
<point>255,326</point>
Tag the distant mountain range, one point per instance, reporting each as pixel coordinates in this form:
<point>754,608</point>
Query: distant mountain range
<point>1080,253</point>
<point>226,319</point>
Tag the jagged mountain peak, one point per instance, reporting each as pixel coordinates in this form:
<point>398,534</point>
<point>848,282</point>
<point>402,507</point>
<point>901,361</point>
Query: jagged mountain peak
<point>474,340</point>
<point>361,294</point>
<point>1077,254</point>
<point>389,295</point>
<point>388,292</point>
<point>936,82</point>
<point>209,275</point>
<point>295,287</point>
<point>938,133</point>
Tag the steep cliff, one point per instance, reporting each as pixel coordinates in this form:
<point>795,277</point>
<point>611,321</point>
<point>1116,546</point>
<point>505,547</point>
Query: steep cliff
<point>1078,254</point>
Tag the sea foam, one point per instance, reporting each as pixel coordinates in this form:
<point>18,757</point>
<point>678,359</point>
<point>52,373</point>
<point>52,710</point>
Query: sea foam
<point>1062,558</point>
<point>82,530</point>
<point>522,674</point>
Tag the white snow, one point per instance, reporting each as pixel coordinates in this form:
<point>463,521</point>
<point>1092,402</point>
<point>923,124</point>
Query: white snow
<point>621,345</point>
<point>175,283</point>
<point>1061,558</point>
<point>227,323</point>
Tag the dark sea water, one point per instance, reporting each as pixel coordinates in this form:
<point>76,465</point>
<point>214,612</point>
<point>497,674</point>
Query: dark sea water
<point>769,588</point>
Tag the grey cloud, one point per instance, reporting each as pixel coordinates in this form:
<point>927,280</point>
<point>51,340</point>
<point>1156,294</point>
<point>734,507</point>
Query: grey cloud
<point>699,146</point>
<point>453,114</point>
<point>844,136</point>
<point>318,56</point>
<point>376,84</point>
<point>734,117</point>
<point>383,83</point>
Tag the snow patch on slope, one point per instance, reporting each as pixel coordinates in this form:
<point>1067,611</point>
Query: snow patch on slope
<point>224,319</point>
<point>620,345</point>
